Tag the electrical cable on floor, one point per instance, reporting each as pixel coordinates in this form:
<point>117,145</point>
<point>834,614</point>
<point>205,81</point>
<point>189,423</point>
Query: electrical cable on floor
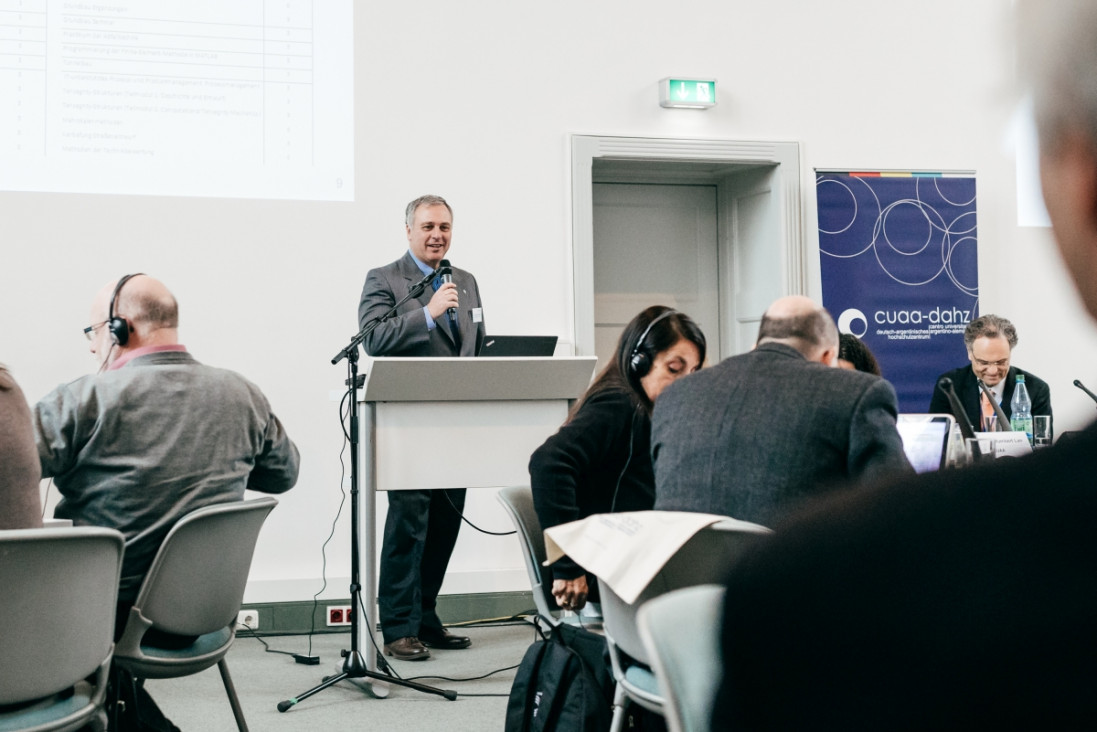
<point>473,678</point>
<point>515,619</point>
<point>266,647</point>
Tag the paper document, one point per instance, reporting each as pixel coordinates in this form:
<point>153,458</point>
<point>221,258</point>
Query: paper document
<point>627,550</point>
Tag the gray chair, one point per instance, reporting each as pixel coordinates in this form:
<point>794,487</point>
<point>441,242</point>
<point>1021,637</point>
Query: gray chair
<point>681,632</point>
<point>60,589</point>
<point>518,502</point>
<point>706,558</point>
<point>194,588</point>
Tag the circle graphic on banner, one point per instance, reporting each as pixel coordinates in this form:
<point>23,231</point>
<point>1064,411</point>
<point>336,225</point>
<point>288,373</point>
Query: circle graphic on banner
<point>848,318</point>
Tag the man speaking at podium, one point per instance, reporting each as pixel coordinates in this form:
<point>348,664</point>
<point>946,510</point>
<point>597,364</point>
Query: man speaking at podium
<point>421,526</point>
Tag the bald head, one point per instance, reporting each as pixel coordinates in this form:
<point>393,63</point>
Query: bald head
<point>798,322</point>
<point>149,309</point>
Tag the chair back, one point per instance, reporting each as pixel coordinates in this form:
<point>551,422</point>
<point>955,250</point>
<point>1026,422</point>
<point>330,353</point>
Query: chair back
<point>681,632</point>
<point>518,502</point>
<point>60,591</point>
<point>196,582</point>
<point>706,558</point>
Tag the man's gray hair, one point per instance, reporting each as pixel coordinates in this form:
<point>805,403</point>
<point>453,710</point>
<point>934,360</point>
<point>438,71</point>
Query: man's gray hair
<point>428,200</point>
<point>1058,46</point>
<point>141,306</point>
<point>990,326</point>
<point>806,333</point>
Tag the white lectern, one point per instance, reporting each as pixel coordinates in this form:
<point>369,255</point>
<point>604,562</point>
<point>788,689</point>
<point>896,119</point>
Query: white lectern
<point>484,415</point>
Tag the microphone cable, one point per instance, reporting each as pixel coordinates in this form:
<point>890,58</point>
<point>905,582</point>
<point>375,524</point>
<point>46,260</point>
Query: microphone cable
<point>445,492</point>
<point>631,440</point>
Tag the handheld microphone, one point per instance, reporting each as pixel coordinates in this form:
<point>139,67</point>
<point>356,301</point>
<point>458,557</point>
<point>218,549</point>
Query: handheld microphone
<point>1003,421</point>
<point>945,385</point>
<point>1087,391</point>
<point>447,276</point>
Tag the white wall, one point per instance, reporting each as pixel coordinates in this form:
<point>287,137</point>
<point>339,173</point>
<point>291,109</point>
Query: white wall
<point>475,101</point>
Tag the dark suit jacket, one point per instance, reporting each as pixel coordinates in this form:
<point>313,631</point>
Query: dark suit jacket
<point>762,431</point>
<point>598,462</point>
<point>960,600</point>
<point>968,391</point>
<point>406,333</point>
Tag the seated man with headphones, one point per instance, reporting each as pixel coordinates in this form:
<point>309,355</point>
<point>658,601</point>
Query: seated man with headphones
<point>762,431</point>
<point>150,437</point>
<point>154,434</point>
<point>598,461</point>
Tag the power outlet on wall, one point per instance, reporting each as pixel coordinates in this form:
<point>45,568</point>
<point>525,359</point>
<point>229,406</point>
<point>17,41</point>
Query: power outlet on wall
<point>247,620</point>
<point>338,615</point>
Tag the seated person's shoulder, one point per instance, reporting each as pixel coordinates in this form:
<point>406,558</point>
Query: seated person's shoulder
<point>1031,379</point>
<point>612,396</point>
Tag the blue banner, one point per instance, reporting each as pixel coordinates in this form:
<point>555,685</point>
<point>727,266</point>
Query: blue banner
<point>899,267</point>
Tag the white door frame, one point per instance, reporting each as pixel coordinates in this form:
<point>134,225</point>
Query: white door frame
<point>585,148</point>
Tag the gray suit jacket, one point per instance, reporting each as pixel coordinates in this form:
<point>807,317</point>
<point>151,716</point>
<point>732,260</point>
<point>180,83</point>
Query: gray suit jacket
<point>762,431</point>
<point>406,334</point>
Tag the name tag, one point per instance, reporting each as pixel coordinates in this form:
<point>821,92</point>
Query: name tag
<point>478,315</point>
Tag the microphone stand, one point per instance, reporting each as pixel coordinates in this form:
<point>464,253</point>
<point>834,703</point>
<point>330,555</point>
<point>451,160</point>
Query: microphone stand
<point>354,663</point>
<point>1087,391</point>
<point>945,384</point>
<point>1003,421</point>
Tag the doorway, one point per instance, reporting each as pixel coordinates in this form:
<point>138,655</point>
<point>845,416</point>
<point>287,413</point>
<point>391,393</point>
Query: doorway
<point>711,228</point>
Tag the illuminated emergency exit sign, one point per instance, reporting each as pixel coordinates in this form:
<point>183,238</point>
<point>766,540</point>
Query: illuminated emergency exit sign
<point>687,93</point>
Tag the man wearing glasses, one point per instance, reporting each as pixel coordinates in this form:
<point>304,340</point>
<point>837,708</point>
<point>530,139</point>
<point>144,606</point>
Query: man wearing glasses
<point>990,340</point>
<point>154,434</point>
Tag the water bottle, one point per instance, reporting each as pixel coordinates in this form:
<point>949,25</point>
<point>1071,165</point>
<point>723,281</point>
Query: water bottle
<point>1020,406</point>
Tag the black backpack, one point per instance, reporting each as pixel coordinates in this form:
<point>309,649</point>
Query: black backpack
<point>562,684</point>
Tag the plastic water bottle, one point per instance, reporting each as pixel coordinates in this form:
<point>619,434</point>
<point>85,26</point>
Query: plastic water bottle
<point>1020,406</point>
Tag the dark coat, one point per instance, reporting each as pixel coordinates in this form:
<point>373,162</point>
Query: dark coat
<point>968,391</point>
<point>762,431</point>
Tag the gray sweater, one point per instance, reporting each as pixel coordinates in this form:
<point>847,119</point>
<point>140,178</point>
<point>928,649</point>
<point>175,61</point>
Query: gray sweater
<point>137,448</point>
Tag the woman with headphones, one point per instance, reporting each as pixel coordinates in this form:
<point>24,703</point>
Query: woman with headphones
<point>600,459</point>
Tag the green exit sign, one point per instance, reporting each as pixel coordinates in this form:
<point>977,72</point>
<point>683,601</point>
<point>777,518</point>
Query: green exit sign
<point>687,93</point>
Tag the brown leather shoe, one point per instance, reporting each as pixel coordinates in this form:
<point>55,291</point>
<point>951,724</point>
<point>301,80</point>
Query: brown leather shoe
<point>444,639</point>
<point>407,649</point>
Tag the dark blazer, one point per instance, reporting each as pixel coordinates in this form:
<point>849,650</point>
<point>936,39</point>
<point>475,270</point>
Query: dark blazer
<point>764,430</point>
<point>968,391</point>
<point>959,600</point>
<point>406,333</point>
<point>598,462</point>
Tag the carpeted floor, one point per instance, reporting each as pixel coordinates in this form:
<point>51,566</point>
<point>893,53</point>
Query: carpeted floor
<point>198,703</point>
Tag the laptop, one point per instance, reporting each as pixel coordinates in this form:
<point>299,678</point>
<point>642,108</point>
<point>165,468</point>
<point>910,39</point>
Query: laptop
<point>925,440</point>
<point>518,346</point>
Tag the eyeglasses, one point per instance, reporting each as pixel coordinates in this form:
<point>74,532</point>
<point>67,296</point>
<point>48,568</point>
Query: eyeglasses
<point>89,332</point>
<point>987,364</point>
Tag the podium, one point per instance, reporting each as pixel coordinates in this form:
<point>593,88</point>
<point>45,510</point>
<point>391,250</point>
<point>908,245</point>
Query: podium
<point>430,423</point>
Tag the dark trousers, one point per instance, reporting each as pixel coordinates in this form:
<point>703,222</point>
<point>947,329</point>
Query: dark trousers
<point>420,532</point>
<point>130,708</point>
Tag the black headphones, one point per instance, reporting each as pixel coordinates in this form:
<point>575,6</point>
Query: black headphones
<point>639,362</point>
<point>119,328</point>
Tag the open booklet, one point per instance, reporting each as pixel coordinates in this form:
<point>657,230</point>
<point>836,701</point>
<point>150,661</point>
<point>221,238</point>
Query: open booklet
<point>627,550</point>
